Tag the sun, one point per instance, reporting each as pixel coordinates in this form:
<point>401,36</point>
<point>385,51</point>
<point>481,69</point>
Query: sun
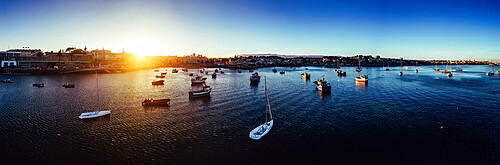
<point>142,47</point>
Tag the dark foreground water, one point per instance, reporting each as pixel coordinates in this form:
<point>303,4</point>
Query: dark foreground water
<point>390,119</point>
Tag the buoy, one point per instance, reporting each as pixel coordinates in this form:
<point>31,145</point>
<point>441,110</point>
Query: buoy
<point>441,127</point>
<point>58,134</point>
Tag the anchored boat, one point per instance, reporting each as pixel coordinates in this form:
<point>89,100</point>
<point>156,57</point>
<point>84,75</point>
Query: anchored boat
<point>261,130</point>
<point>306,75</point>
<point>7,81</point>
<point>255,78</point>
<point>157,82</point>
<point>362,78</point>
<point>38,84</point>
<point>98,113</point>
<point>67,85</point>
<point>152,102</point>
<point>323,85</point>
<point>205,92</point>
<point>198,80</point>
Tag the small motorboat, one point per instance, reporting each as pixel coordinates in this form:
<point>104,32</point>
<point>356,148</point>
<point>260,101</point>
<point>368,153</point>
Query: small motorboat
<point>216,71</point>
<point>67,85</point>
<point>282,72</point>
<point>175,70</point>
<point>362,78</point>
<point>341,73</point>
<point>38,84</point>
<point>214,75</point>
<point>358,69</point>
<point>274,70</point>
<point>191,74</point>
<point>416,70</point>
<point>164,73</point>
<point>198,80</point>
<point>239,71</point>
<point>489,74</point>
<point>437,69</point>
<point>185,70</point>
<point>160,76</point>
<point>201,71</point>
<point>7,81</point>
<point>306,75</point>
<point>152,102</point>
<point>497,72</point>
<point>459,70</point>
<point>449,75</point>
<point>408,67</point>
<point>386,68</point>
<point>221,72</point>
<point>255,78</point>
<point>400,73</point>
<point>156,70</point>
<point>94,114</point>
<point>205,92</point>
<point>157,82</point>
<point>445,72</point>
<point>323,85</point>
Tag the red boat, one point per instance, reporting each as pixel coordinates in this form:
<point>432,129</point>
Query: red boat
<point>148,102</point>
<point>159,82</point>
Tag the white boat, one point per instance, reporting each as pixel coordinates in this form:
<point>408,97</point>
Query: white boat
<point>261,130</point>
<point>198,80</point>
<point>202,93</point>
<point>362,78</point>
<point>95,114</point>
<point>98,113</point>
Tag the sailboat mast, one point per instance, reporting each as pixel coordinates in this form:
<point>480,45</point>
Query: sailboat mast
<point>268,105</point>
<point>97,90</point>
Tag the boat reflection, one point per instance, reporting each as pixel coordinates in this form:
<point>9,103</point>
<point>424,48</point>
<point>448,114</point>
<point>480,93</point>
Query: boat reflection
<point>361,86</point>
<point>324,94</point>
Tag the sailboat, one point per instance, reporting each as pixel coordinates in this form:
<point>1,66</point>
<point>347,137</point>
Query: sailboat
<point>416,70</point>
<point>359,66</point>
<point>98,113</point>
<point>261,130</point>
<point>387,66</point>
<point>436,68</point>
<point>445,71</point>
<point>401,67</point>
<point>459,69</point>
<point>491,71</point>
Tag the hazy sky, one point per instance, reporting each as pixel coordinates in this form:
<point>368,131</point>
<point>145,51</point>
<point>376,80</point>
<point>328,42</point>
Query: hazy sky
<point>413,29</point>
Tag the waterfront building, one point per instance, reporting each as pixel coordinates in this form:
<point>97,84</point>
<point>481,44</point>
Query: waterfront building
<point>25,51</point>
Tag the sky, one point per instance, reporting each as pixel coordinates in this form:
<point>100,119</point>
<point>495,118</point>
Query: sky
<point>454,29</point>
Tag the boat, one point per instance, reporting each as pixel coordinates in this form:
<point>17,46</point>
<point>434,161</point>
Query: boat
<point>445,71</point>
<point>489,74</point>
<point>449,74</point>
<point>191,74</point>
<point>401,67</point>
<point>436,68</point>
<point>255,78</point>
<point>201,71</point>
<point>239,71</point>
<point>175,70</point>
<point>221,72</point>
<point>306,75</point>
<point>282,72</point>
<point>216,70</point>
<point>250,70</point>
<point>323,85</point>
<point>99,112</point>
<point>7,81</point>
<point>152,102</point>
<point>497,72</point>
<point>156,70</point>
<point>205,92</point>
<point>362,78</point>
<point>214,75</point>
<point>459,69</point>
<point>164,73</point>
<point>387,66</point>
<point>206,72</point>
<point>416,70</point>
<point>185,70</point>
<point>38,84</point>
<point>67,85</point>
<point>261,130</point>
<point>358,69</point>
<point>341,73</point>
<point>157,82</point>
<point>160,76</point>
<point>198,80</point>
<point>274,70</point>
<point>408,67</point>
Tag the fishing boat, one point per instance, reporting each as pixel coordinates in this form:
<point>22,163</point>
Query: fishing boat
<point>152,102</point>
<point>204,92</point>
<point>323,85</point>
<point>306,75</point>
<point>67,85</point>
<point>341,73</point>
<point>7,81</point>
<point>261,130</point>
<point>198,80</point>
<point>362,78</point>
<point>99,112</point>
<point>255,78</point>
<point>38,84</point>
<point>282,72</point>
<point>160,76</point>
<point>274,70</point>
<point>214,75</point>
<point>175,70</point>
<point>157,82</point>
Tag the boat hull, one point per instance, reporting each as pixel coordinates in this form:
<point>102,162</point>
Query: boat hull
<point>261,130</point>
<point>199,94</point>
<point>324,88</point>
<point>95,114</point>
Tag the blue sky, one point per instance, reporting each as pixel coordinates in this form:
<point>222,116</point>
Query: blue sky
<point>409,29</point>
